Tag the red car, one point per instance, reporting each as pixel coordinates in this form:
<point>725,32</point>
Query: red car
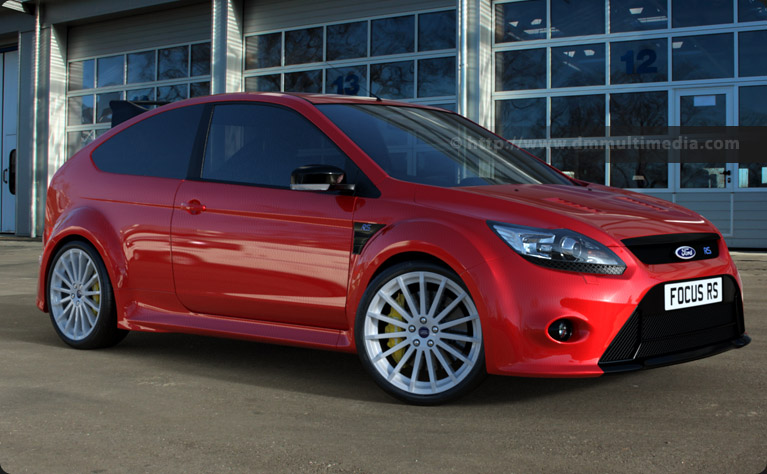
<point>403,233</point>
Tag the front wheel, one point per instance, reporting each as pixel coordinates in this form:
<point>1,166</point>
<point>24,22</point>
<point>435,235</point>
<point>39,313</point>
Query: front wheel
<point>419,335</point>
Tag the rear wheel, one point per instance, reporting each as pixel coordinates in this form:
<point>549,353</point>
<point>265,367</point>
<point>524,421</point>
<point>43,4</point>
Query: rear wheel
<point>419,335</point>
<point>80,298</point>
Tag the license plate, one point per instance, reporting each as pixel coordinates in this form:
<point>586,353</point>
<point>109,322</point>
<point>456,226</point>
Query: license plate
<point>687,294</point>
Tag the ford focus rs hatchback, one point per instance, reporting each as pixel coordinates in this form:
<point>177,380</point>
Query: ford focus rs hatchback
<point>400,232</point>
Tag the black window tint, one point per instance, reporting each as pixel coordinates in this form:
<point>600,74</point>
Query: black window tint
<point>263,144</point>
<point>157,146</point>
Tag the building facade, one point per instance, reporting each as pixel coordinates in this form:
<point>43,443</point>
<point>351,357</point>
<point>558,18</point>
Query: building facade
<point>544,73</point>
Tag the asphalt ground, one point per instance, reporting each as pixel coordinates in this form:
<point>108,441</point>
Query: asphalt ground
<point>166,403</point>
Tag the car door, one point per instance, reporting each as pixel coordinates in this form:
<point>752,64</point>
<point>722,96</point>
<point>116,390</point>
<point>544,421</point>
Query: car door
<point>243,243</point>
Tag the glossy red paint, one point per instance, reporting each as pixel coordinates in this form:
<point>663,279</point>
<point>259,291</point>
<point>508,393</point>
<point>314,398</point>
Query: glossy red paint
<point>276,265</point>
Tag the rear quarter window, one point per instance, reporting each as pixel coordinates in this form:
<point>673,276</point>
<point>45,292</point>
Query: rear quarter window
<point>160,145</point>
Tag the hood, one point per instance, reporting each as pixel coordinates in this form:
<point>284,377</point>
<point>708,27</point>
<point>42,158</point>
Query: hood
<point>621,214</point>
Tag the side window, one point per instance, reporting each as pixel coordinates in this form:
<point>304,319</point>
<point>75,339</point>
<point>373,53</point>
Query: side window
<point>158,146</point>
<point>263,144</point>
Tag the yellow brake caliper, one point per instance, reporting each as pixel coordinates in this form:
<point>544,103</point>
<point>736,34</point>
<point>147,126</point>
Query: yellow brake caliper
<point>392,328</point>
<point>96,298</point>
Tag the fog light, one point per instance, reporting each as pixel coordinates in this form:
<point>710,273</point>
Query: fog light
<point>561,330</point>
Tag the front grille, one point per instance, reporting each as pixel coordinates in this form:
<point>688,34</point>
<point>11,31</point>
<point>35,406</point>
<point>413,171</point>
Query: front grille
<point>659,249</point>
<point>652,332</point>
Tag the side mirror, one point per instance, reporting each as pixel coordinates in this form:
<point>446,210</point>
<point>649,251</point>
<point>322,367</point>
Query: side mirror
<point>319,178</point>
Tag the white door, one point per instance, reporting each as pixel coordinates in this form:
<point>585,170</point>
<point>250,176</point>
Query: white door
<point>9,101</point>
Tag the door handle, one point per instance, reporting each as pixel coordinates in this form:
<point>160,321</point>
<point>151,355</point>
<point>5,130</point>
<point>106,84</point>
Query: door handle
<point>193,207</point>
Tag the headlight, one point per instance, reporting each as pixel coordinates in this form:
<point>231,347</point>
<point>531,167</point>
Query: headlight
<point>561,249</point>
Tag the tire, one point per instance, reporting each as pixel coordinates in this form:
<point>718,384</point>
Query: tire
<point>80,298</point>
<point>431,358</point>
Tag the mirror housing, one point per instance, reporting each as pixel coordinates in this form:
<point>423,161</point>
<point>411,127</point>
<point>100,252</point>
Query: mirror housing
<point>320,178</point>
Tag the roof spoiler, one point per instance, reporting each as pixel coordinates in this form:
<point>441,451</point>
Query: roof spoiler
<point>123,110</point>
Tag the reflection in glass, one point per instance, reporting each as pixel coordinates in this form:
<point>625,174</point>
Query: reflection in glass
<point>303,46</point>
<point>199,89</point>
<point>140,94</point>
<point>639,168</point>
<point>578,116</point>
<point>392,35</point>
<point>103,109</point>
<point>702,57</point>
<point>80,110</point>
<point>751,53</point>
<point>263,51</point>
<point>201,59</point>
<point>77,140</point>
<point>270,83</point>
<point>172,93</point>
<point>584,164</point>
<point>702,175</point>
<point>81,75</point>
<point>518,119</point>
<point>752,175</point>
<point>752,10</point>
<point>110,71</point>
<point>639,113</point>
<point>436,31</point>
<point>436,77</point>
<point>753,106</point>
<point>451,106</point>
<point>350,80</point>
<point>693,13</point>
<point>705,110</point>
<point>638,15</point>
<point>141,67</point>
<point>174,63</point>
<point>520,21</point>
<point>304,81</point>
<point>571,18</point>
<point>639,61</point>
<point>348,40</point>
<point>519,70</point>
<point>392,80</point>
<point>582,65</point>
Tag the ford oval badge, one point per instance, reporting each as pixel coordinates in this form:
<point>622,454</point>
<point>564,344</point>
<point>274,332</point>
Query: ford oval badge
<point>685,252</point>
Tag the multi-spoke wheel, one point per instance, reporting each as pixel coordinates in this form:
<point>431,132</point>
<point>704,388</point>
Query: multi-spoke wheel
<point>419,334</point>
<point>80,298</point>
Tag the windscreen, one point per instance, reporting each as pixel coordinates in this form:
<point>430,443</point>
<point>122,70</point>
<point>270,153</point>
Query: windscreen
<point>436,148</point>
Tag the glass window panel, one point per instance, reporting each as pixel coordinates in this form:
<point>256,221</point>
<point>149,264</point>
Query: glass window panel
<point>582,65</point>
<point>303,46</point>
<point>518,119</point>
<point>702,57</point>
<point>639,61</point>
<point>392,80</point>
<point>172,93</point>
<point>80,110</point>
<point>752,175</point>
<point>753,106</point>
<point>520,21</point>
<point>694,13</point>
<point>201,59</point>
<point>638,113</point>
<point>199,89</point>
<point>751,53</point>
<point>103,109</point>
<point>350,80</point>
<point>263,51</point>
<point>304,81</point>
<point>174,63</point>
<point>519,70</point>
<point>141,67</point>
<point>539,153</point>
<point>269,83</point>
<point>702,175</point>
<point>639,168</point>
<point>571,18</point>
<point>638,15</point>
<point>110,71</point>
<point>436,77</point>
<point>140,94</point>
<point>347,41</point>
<point>752,10</point>
<point>77,140</point>
<point>451,107</point>
<point>585,164</point>
<point>703,110</point>
<point>578,116</point>
<point>436,31</point>
<point>392,35</point>
<point>81,74</point>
